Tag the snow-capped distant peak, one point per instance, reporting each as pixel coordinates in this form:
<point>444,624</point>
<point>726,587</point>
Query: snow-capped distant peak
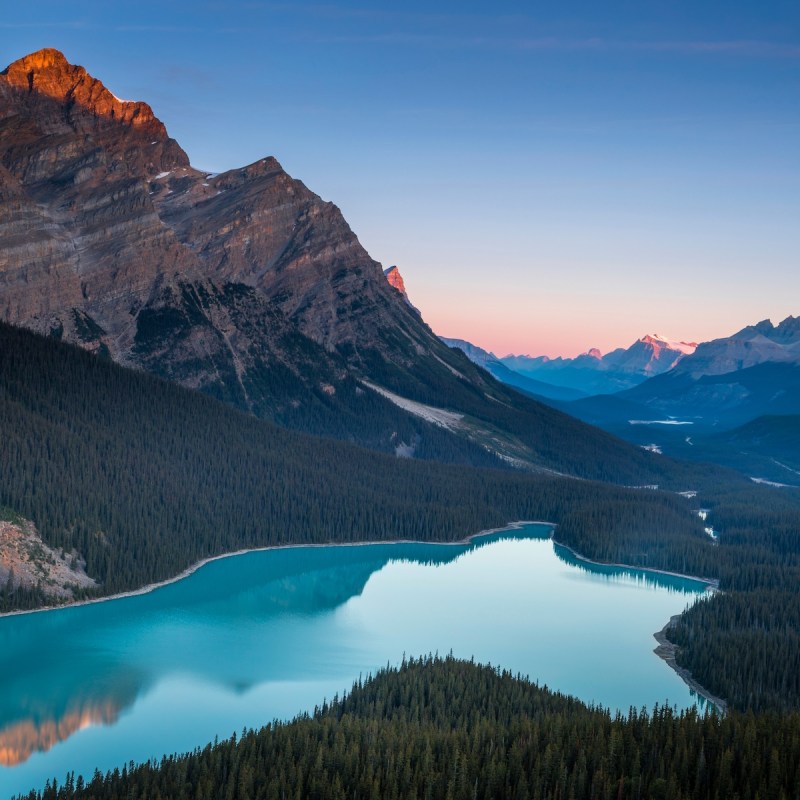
<point>687,348</point>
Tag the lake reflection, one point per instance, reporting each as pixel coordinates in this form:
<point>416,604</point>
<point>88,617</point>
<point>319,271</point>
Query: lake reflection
<point>269,634</point>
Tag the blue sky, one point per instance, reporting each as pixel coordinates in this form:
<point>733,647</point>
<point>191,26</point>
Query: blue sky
<point>548,176</point>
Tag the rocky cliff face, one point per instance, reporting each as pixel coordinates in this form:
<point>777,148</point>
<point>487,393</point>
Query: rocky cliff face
<point>245,284</point>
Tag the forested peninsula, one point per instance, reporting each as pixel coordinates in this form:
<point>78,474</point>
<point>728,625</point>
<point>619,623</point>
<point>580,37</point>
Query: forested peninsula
<point>450,729</point>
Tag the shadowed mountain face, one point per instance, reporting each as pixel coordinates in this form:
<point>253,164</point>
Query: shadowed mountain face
<point>244,285</point>
<point>756,344</point>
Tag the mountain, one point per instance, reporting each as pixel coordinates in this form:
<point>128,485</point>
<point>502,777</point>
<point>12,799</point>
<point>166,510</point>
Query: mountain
<point>734,402</point>
<point>753,345</point>
<point>728,381</point>
<point>477,355</point>
<point>112,240</point>
<point>595,373</point>
<point>766,448</point>
<point>244,285</point>
<point>492,364</point>
<point>650,355</point>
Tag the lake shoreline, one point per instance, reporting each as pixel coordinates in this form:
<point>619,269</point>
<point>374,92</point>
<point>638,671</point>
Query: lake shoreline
<point>190,570</point>
<point>665,649</point>
<point>667,652</point>
<point>711,583</point>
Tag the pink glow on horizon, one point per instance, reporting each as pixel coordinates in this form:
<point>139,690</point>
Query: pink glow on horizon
<point>560,313</point>
<point>557,335</point>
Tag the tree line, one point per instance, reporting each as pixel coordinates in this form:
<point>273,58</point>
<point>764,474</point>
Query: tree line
<point>440,728</point>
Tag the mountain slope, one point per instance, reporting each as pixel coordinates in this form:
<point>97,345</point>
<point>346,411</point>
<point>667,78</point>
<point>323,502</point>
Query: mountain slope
<point>492,364</point>
<point>244,285</point>
<point>756,344</point>
<point>138,478</point>
<point>723,399</point>
<point>766,448</point>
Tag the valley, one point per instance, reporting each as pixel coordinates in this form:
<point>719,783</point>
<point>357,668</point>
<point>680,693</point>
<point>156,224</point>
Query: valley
<point>732,401</point>
<point>197,364</point>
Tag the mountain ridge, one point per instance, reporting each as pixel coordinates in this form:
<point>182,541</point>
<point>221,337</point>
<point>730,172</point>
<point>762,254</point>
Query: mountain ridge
<point>588,373</point>
<point>244,285</point>
<point>752,345</point>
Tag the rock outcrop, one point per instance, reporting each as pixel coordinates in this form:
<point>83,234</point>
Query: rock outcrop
<point>395,280</point>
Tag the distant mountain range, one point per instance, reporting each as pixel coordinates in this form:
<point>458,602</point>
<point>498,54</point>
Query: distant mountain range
<point>685,400</point>
<point>587,374</point>
<point>491,363</point>
<point>733,379</point>
<point>595,373</point>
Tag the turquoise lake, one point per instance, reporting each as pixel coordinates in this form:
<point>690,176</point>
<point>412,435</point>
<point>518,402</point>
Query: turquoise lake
<point>269,634</point>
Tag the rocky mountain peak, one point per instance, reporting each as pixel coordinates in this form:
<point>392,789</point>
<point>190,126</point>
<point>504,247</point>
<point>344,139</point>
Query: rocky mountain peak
<point>56,115</point>
<point>46,58</point>
<point>395,280</point>
<point>244,283</point>
<point>785,332</point>
<point>756,344</point>
<point>659,343</point>
<point>789,330</point>
<point>47,73</point>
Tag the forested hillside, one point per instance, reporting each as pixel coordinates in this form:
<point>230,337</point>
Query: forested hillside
<point>442,728</point>
<point>742,644</point>
<point>143,478</point>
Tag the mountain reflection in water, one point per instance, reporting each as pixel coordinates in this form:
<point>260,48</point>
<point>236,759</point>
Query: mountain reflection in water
<point>20,740</point>
<point>92,687</point>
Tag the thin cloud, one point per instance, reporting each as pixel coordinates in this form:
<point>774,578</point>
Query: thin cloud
<point>156,29</point>
<point>752,48</point>
<point>735,47</point>
<point>26,25</point>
